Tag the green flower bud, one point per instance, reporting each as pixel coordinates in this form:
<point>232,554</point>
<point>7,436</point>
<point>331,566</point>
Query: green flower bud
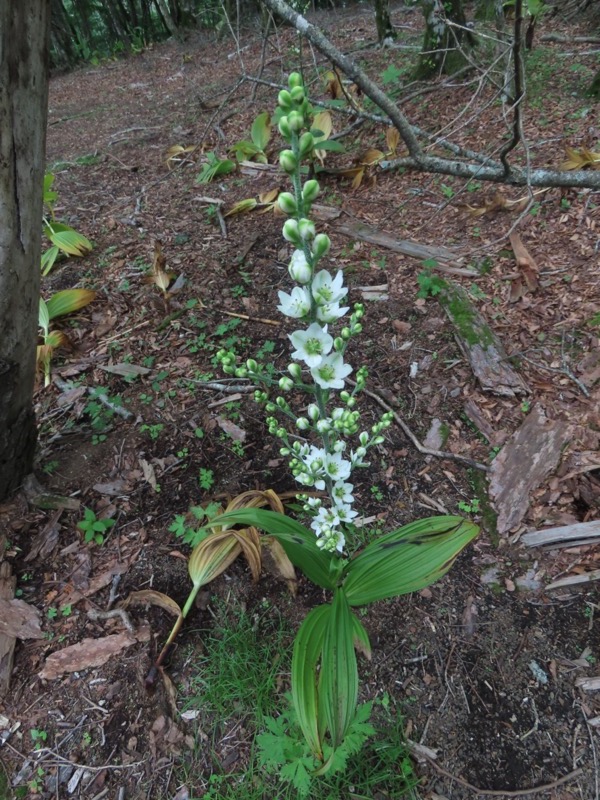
<point>345,332</point>
<point>344,397</point>
<point>306,145</point>
<point>284,98</point>
<point>284,451</point>
<point>364,439</point>
<point>321,245</point>
<point>291,232</point>
<point>311,189</point>
<point>241,372</point>
<point>281,402</point>
<point>285,384</point>
<point>251,365</point>
<point>313,412</point>
<point>295,371</point>
<point>338,344</point>
<point>287,203</point>
<point>297,93</point>
<point>357,328</point>
<point>288,161</point>
<point>351,402</point>
<point>295,79</point>
<point>270,408</point>
<point>306,229</point>
<point>296,120</point>
<point>284,128</point>
<point>302,424</point>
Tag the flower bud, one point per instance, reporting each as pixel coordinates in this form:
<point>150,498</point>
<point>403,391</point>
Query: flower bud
<point>357,328</point>
<point>361,452</point>
<point>338,344</point>
<point>295,371</point>
<point>285,384</point>
<point>297,92</point>
<point>302,424</point>
<point>299,269</point>
<point>284,98</point>
<point>313,412</point>
<point>345,333</point>
<point>291,232</point>
<point>364,439</point>
<point>287,203</point>
<point>344,396</point>
<point>323,426</point>
<point>295,79</point>
<point>270,408</point>
<point>351,402</point>
<point>296,120</point>
<point>379,440</point>
<point>321,245</point>
<point>306,229</point>
<point>284,128</point>
<point>251,365</point>
<point>306,144</point>
<point>310,191</point>
<point>288,161</point>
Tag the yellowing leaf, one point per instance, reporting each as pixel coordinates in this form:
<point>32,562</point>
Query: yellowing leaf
<point>333,86</point>
<point>580,159</point>
<point>359,174</point>
<point>371,157</point>
<point>323,123</point>
<point>270,196</point>
<point>392,139</point>
<point>68,301</point>
<point>175,153</point>
<point>67,240</point>
<point>242,206</point>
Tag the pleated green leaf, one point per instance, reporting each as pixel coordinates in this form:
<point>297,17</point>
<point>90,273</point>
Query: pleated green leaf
<point>338,684</point>
<point>406,560</point>
<point>67,240</point>
<point>361,637</point>
<point>68,301</point>
<point>308,647</point>
<point>298,542</point>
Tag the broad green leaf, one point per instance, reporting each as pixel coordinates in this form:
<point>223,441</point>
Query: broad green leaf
<point>406,560</point>
<point>48,259</point>
<point>49,194</point>
<point>298,542</point>
<point>361,637</point>
<point>67,240</point>
<point>338,682</point>
<point>68,301</point>
<point>308,646</point>
<point>43,316</point>
<point>261,130</point>
<point>333,146</point>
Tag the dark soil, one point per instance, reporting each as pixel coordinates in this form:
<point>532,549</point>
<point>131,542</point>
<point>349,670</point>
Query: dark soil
<point>483,668</point>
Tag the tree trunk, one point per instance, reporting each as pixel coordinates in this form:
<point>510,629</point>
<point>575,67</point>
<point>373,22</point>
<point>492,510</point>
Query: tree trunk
<point>385,29</point>
<point>24,45</point>
<point>594,87</point>
<point>443,44</point>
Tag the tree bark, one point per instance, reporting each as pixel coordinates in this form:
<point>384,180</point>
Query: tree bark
<point>443,44</point>
<point>24,46</point>
<point>385,29</point>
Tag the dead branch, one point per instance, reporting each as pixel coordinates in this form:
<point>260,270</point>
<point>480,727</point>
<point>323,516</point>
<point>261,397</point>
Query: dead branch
<point>417,159</point>
<point>518,93</point>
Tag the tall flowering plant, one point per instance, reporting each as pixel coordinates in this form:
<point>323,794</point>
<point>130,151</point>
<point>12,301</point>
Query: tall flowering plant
<point>324,445</point>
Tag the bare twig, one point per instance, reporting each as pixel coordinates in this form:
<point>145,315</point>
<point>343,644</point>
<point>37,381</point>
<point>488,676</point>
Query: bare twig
<point>407,431</point>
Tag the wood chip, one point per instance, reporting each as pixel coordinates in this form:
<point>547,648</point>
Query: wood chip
<point>89,653</point>
<point>19,620</point>
<point>565,536</point>
<point>524,462</point>
<point>589,684</point>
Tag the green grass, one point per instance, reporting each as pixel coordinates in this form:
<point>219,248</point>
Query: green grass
<point>237,681</point>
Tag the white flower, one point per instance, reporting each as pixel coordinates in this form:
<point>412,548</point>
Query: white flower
<point>346,513</point>
<point>296,304</point>
<point>337,467</point>
<point>331,312</point>
<point>331,372</point>
<point>326,289</point>
<point>342,493</point>
<point>312,344</point>
<point>299,268</point>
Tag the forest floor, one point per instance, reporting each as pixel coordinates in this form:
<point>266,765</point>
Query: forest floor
<point>483,668</point>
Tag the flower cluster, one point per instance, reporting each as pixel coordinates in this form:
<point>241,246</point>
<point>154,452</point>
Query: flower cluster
<point>317,300</point>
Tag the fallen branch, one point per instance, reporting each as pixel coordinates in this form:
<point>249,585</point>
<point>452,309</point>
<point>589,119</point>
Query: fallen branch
<point>417,159</point>
<point>407,431</point>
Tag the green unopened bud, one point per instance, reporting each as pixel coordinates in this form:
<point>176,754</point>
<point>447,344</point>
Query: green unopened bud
<point>364,439</point>
<point>302,424</point>
<point>241,372</point>
<point>313,412</point>
<point>297,93</point>
<point>306,145</point>
<point>284,98</point>
<point>345,333</point>
<point>378,440</point>
<point>310,190</point>
<point>351,402</point>
<point>270,408</point>
<point>287,203</point>
<point>295,79</point>
<point>288,161</point>
<point>344,396</point>
<point>338,344</point>
<point>284,128</point>
<point>251,365</point>
<point>296,120</point>
<point>291,232</point>
<point>306,229</point>
<point>295,370</point>
<point>357,328</point>
<point>321,245</point>
<point>285,384</point>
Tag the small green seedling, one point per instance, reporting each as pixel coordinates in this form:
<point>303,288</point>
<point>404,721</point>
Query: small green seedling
<point>94,528</point>
<point>470,508</point>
